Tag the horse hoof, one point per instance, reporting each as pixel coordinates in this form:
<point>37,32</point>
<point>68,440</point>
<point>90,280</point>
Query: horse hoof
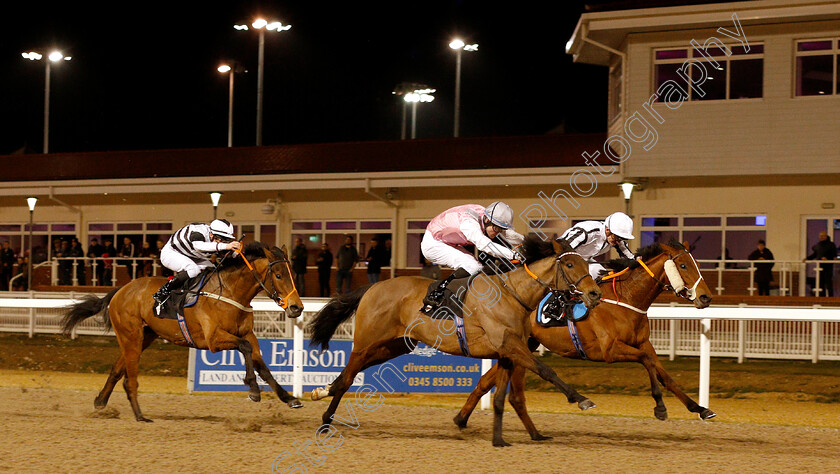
<point>144,419</point>
<point>707,414</point>
<point>500,443</point>
<point>586,404</point>
<point>460,422</point>
<point>295,403</point>
<point>661,414</point>
<point>539,437</point>
<point>254,396</point>
<point>319,393</point>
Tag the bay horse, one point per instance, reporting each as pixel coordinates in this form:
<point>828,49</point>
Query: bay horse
<point>221,319</point>
<point>618,330</point>
<point>389,322</point>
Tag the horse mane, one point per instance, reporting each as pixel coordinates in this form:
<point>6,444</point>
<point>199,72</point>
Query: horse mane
<point>251,250</point>
<point>534,248</point>
<point>644,253</point>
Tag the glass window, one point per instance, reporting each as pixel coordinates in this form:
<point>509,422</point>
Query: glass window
<point>159,226</point>
<point>268,234</point>
<point>306,225</point>
<point>672,54</point>
<point>739,75</point>
<point>346,225</point>
<point>376,225</point>
<point>660,222</point>
<point>100,227</point>
<point>9,227</point>
<point>129,226</point>
<point>746,79</point>
<point>744,220</point>
<point>658,237</point>
<point>701,221</point>
<point>814,46</point>
<point>715,84</point>
<point>63,227</point>
<point>815,75</point>
<point>418,224</point>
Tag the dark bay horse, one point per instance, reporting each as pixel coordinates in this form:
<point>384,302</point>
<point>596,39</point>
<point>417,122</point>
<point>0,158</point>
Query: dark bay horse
<point>618,330</point>
<point>220,320</point>
<point>388,321</point>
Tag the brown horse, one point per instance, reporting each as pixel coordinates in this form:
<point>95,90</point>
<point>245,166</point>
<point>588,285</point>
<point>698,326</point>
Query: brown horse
<point>389,323</point>
<point>220,321</point>
<point>618,330</point>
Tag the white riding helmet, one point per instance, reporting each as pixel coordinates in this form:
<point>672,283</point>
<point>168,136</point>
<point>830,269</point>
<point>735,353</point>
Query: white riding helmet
<point>620,224</point>
<point>499,214</point>
<point>222,228</point>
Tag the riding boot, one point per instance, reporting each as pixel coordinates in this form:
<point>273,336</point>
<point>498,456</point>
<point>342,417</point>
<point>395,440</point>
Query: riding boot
<point>435,297</point>
<point>163,293</point>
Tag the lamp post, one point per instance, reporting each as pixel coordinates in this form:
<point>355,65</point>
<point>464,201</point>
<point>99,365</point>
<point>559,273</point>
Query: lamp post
<point>214,197</point>
<point>53,57</point>
<point>458,45</point>
<point>262,25</point>
<point>224,68</point>
<point>31,201</point>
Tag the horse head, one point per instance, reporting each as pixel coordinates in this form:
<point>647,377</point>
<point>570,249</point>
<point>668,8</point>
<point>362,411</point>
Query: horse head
<point>684,275</point>
<point>279,272</point>
<point>572,273</point>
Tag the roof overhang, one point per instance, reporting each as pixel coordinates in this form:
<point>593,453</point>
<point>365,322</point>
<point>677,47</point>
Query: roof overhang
<point>595,31</point>
<point>303,182</point>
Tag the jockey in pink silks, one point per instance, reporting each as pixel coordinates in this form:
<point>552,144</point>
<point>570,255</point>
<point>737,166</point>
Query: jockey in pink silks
<point>470,224</point>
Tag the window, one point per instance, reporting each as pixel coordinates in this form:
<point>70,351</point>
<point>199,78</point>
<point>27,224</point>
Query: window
<point>708,237</point>
<point>333,233</point>
<point>816,67</point>
<point>137,232</point>
<point>615,92</point>
<point>414,235</point>
<point>716,72</point>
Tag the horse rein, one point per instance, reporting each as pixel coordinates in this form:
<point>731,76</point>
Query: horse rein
<point>675,281</point>
<point>558,273</point>
<point>282,301</point>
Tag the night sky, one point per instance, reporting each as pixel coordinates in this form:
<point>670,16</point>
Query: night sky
<point>147,79</point>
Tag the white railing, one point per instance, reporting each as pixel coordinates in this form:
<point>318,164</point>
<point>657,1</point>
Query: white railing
<point>725,331</point>
<point>784,270</point>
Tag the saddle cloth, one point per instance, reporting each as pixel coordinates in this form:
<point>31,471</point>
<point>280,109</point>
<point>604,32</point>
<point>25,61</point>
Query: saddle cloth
<point>554,310</point>
<point>184,297</point>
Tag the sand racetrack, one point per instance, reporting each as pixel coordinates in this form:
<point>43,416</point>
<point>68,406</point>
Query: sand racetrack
<point>56,429</point>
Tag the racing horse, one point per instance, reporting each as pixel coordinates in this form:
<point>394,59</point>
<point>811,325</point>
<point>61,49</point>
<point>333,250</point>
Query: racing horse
<point>220,320</point>
<point>618,330</point>
<point>388,321</point>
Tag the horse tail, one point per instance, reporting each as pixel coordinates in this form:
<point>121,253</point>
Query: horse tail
<point>89,306</point>
<point>335,312</point>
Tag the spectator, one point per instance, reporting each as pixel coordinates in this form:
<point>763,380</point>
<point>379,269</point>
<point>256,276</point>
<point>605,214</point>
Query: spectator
<point>374,260</point>
<point>108,250</point>
<point>299,257</point>
<point>346,259</point>
<point>387,258</point>
<point>7,265</point>
<point>145,266</point>
<point>164,271</point>
<point>825,250</point>
<point>128,250</point>
<point>65,265</point>
<point>763,271</point>
<point>78,260</point>
<point>94,252</point>
<point>22,281</point>
<point>324,262</point>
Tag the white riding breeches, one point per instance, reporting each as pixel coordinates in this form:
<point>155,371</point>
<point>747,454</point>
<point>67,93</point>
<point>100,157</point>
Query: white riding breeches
<point>440,253</point>
<point>177,262</point>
